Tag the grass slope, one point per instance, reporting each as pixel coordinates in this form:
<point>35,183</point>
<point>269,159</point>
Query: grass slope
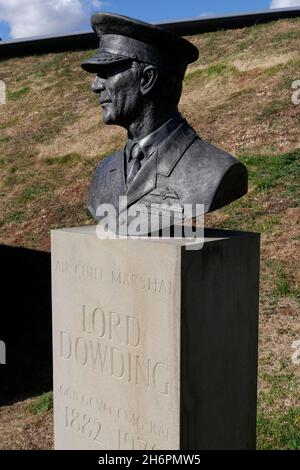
<point>238,96</point>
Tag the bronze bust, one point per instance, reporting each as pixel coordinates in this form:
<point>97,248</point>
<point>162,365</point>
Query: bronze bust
<point>139,71</point>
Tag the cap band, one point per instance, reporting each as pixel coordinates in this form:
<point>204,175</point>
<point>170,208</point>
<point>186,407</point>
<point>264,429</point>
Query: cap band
<point>132,48</point>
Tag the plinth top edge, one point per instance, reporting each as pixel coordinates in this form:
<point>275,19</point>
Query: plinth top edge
<point>210,235</point>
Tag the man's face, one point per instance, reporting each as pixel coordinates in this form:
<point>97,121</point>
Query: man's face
<point>118,87</point>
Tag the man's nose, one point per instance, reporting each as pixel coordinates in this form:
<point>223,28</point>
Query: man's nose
<point>98,85</point>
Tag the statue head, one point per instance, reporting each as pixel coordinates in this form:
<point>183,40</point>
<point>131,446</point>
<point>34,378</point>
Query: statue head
<point>137,65</point>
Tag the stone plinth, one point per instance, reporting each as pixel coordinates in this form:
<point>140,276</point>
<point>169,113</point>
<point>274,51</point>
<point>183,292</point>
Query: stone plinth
<point>155,346</point>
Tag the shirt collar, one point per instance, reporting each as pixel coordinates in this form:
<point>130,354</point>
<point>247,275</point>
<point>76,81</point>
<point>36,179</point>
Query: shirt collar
<point>150,143</point>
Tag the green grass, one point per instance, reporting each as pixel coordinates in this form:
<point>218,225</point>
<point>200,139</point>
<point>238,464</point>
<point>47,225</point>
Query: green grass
<point>274,69</point>
<point>283,284</point>
<point>276,428</point>
<point>279,431</point>
<point>275,107</point>
<point>33,191</point>
<point>4,139</point>
<point>17,217</point>
<point>282,287</point>
<point>235,99</point>
<point>216,70</point>
<point>279,383</point>
<point>267,171</point>
<point>286,36</point>
<point>267,223</point>
<point>15,95</point>
<point>241,94</point>
<point>9,123</point>
<point>67,160</point>
<point>11,180</point>
<point>42,404</point>
<point>51,124</point>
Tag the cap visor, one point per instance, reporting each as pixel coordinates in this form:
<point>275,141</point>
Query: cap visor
<point>93,64</point>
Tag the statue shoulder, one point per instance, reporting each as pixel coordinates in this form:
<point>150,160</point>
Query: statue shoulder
<point>211,154</point>
<point>224,176</point>
<point>109,162</point>
<point>231,176</point>
<point>101,189</point>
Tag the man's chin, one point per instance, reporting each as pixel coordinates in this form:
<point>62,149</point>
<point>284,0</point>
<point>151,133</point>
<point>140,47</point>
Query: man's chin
<point>107,118</point>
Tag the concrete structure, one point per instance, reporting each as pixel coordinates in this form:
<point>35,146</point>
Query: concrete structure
<point>155,345</point>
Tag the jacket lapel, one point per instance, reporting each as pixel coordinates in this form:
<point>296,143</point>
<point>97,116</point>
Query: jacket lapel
<point>161,162</point>
<point>144,181</point>
<point>115,178</point>
<point>173,148</point>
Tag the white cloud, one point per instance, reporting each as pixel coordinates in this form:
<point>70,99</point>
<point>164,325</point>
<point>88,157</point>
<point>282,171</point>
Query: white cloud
<point>206,13</point>
<point>43,17</point>
<point>285,3</point>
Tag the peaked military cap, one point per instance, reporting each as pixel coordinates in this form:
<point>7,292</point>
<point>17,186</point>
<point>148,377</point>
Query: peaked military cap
<point>123,39</point>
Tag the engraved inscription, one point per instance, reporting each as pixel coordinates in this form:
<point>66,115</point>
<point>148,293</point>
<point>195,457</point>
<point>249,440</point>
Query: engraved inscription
<point>131,430</point>
<point>104,346</point>
<point>116,352</point>
<point>118,278</point>
<point>83,424</point>
<point>112,326</point>
<point>82,271</point>
<point>123,416</point>
<point>138,282</point>
<point>127,441</point>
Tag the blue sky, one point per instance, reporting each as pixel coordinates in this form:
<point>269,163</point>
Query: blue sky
<point>27,18</point>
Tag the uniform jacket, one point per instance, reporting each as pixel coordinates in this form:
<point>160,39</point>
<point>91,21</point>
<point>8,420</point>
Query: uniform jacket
<point>184,169</point>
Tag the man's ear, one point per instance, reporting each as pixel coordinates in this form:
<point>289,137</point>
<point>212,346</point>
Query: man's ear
<point>148,79</point>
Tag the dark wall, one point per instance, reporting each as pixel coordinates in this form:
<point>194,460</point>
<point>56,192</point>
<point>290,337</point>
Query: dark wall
<point>89,40</point>
<point>25,323</point>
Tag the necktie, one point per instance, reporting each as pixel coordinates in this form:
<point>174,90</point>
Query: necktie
<point>136,156</point>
